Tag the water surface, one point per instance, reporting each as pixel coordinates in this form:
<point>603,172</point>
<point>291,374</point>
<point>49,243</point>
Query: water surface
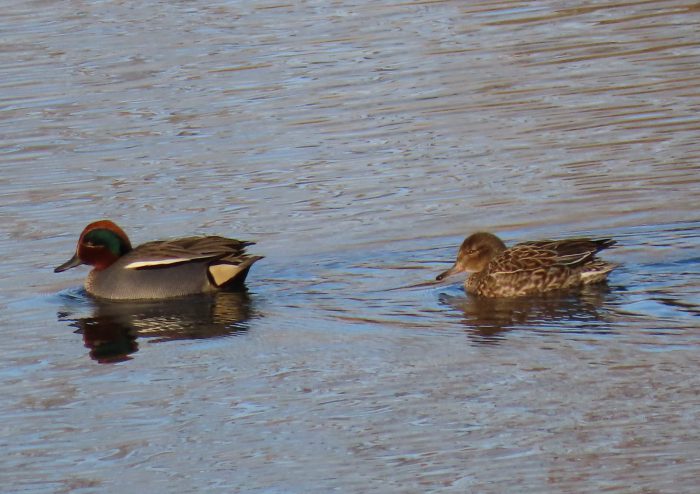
<point>357,144</point>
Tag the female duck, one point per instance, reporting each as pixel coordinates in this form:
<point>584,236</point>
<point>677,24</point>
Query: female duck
<point>160,269</point>
<point>530,267</point>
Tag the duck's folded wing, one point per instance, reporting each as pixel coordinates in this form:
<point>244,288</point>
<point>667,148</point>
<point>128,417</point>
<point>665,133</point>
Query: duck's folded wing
<point>170,253</point>
<point>212,245</point>
<point>525,257</point>
<point>570,246</point>
<point>546,253</point>
<point>533,256</point>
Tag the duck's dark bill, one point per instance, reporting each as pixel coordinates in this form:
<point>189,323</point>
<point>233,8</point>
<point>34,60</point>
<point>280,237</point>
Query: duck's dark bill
<point>446,274</point>
<point>71,263</point>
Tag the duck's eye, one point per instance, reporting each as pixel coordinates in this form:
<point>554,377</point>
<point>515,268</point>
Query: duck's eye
<point>89,243</point>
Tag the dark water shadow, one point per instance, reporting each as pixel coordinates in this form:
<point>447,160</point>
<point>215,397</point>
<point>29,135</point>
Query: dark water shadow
<point>488,320</point>
<point>111,330</point>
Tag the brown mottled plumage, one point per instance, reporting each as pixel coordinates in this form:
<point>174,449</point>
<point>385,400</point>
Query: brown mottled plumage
<point>529,267</point>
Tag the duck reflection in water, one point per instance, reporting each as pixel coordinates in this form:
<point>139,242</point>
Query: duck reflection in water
<point>111,329</point>
<point>488,319</point>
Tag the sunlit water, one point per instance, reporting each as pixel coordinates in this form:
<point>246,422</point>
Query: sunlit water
<point>357,144</point>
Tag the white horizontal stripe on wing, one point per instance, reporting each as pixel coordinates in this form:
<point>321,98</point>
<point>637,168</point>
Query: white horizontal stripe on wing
<point>148,264</point>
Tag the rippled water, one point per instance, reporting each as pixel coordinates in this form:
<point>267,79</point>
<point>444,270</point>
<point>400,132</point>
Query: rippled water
<point>357,144</point>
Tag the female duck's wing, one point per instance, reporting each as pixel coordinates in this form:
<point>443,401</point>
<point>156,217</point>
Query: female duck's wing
<point>546,254</point>
<point>572,246</point>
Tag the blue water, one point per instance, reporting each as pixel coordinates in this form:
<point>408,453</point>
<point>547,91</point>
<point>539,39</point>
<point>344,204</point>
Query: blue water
<point>357,144</point>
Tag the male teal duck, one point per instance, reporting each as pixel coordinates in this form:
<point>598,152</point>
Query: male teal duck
<point>530,267</point>
<point>160,269</point>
